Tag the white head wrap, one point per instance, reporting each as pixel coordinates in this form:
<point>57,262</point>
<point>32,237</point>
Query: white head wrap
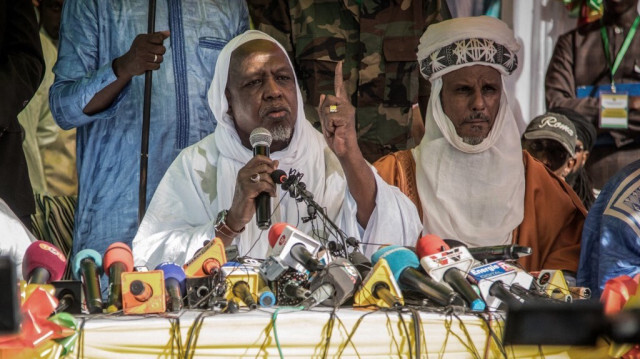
<point>305,153</point>
<point>474,193</point>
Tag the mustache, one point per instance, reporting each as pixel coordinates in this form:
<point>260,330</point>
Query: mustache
<point>477,115</point>
<point>274,108</point>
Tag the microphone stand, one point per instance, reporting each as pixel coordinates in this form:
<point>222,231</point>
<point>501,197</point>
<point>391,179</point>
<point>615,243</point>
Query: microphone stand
<point>298,190</point>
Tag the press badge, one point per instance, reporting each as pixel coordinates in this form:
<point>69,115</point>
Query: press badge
<point>614,110</point>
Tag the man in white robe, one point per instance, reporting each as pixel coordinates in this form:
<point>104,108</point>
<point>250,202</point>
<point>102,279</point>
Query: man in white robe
<point>254,86</point>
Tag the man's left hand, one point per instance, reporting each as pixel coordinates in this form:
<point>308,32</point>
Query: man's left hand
<point>338,118</point>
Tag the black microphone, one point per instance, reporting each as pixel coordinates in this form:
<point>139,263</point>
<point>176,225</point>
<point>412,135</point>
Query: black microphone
<point>260,140</point>
<point>278,176</point>
<point>499,253</point>
<point>334,285</point>
<point>87,266</point>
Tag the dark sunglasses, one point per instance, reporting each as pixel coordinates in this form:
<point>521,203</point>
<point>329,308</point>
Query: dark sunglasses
<point>551,151</point>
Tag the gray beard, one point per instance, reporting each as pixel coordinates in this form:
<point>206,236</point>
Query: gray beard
<point>281,133</point>
<point>472,140</point>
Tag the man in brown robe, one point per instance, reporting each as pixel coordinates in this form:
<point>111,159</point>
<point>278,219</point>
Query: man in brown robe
<point>469,177</point>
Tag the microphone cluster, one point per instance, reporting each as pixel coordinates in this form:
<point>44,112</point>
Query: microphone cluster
<point>299,271</point>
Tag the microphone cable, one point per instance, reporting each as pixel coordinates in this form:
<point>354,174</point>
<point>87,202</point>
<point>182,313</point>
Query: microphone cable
<point>448,321</point>
<point>255,241</point>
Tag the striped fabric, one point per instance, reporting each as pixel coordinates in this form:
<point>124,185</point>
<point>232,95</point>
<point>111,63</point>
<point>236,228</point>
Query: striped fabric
<point>53,222</point>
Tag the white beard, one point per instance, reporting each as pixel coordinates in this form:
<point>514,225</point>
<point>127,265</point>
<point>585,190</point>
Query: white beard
<point>281,133</point>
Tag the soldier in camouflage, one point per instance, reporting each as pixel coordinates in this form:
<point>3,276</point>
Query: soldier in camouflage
<point>377,42</point>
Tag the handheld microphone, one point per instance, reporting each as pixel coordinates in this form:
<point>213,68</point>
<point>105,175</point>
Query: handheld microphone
<point>334,285</point>
<point>243,284</point>
<point>143,292</point>
<point>554,285</point>
<point>499,253</point>
<point>266,298</point>
<point>68,294</point>
<point>494,279</point>
<point>362,263</point>
<point>87,266</point>
<point>175,282</point>
<point>450,265</point>
<point>117,260</point>
<point>291,288</point>
<point>278,176</point>
<point>260,140</point>
<point>209,258</point>
<point>404,264</point>
<point>379,287</point>
<point>43,263</point>
<point>291,248</point>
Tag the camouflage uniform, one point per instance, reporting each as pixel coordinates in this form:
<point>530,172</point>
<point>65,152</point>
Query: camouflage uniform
<point>377,41</point>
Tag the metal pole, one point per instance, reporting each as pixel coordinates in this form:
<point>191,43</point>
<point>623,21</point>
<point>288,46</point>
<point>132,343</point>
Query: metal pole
<point>146,115</point>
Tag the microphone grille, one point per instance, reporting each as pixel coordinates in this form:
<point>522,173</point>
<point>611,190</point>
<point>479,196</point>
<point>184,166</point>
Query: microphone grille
<point>260,137</point>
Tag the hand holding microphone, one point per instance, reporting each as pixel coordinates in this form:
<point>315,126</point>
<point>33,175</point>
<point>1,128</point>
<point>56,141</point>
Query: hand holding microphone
<point>254,188</point>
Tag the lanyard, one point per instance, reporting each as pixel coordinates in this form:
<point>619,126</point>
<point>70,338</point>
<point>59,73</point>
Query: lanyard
<point>623,49</point>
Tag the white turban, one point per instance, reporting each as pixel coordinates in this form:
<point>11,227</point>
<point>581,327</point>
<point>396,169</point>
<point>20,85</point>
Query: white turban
<point>474,193</point>
<point>452,44</point>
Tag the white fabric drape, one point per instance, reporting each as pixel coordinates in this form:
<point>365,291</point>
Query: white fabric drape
<point>201,182</point>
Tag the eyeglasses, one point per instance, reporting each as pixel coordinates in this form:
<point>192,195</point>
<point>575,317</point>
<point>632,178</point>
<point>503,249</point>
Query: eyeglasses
<point>579,148</point>
<point>550,152</point>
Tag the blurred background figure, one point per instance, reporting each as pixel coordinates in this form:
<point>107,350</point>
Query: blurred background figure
<point>377,42</point>
<point>50,151</point>
<point>551,139</point>
<point>580,69</point>
<point>98,89</point>
<point>578,177</point>
<point>21,71</point>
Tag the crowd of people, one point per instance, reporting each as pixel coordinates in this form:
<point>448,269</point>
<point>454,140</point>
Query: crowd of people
<point>400,131</point>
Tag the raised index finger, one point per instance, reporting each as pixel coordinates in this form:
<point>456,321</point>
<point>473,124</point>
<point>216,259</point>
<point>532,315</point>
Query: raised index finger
<point>338,83</point>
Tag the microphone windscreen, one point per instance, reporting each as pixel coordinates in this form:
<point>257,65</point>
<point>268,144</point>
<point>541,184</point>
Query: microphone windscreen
<point>275,231</point>
<point>260,137</point>
<point>278,176</point>
<point>399,258</point>
<point>430,244</point>
<point>174,271</point>
<point>41,254</point>
<point>118,252</point>
<point>91,254</point>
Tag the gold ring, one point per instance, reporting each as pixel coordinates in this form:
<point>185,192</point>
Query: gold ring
<point>333,108</point>
<point>155,58</point>
<point>255,178</point>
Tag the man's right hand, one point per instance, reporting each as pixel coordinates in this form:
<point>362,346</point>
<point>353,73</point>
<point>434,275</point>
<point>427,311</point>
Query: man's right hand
<point>243,206</point>
<point>144,54</point>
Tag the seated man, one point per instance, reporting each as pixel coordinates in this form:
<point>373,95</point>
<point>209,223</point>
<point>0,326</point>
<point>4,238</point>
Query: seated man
<point>210,189</point>
<point>469,177</point>
<point>610,237</point>
<point>551,139</point>
<point>578,178</point>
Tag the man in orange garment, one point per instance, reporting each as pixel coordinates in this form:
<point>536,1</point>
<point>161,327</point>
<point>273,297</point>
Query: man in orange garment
<point>469,177</point>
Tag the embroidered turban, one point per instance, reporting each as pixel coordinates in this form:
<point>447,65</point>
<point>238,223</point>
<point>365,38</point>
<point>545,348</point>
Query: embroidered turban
<point>467,41</point>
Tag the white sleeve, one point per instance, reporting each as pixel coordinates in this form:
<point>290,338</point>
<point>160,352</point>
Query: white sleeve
<point>179,218</point>
<point>15,237</point>
<point>394,220</point>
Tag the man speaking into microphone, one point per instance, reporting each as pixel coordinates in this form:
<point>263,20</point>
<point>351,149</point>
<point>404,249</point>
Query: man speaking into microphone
<point>211,188</point>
